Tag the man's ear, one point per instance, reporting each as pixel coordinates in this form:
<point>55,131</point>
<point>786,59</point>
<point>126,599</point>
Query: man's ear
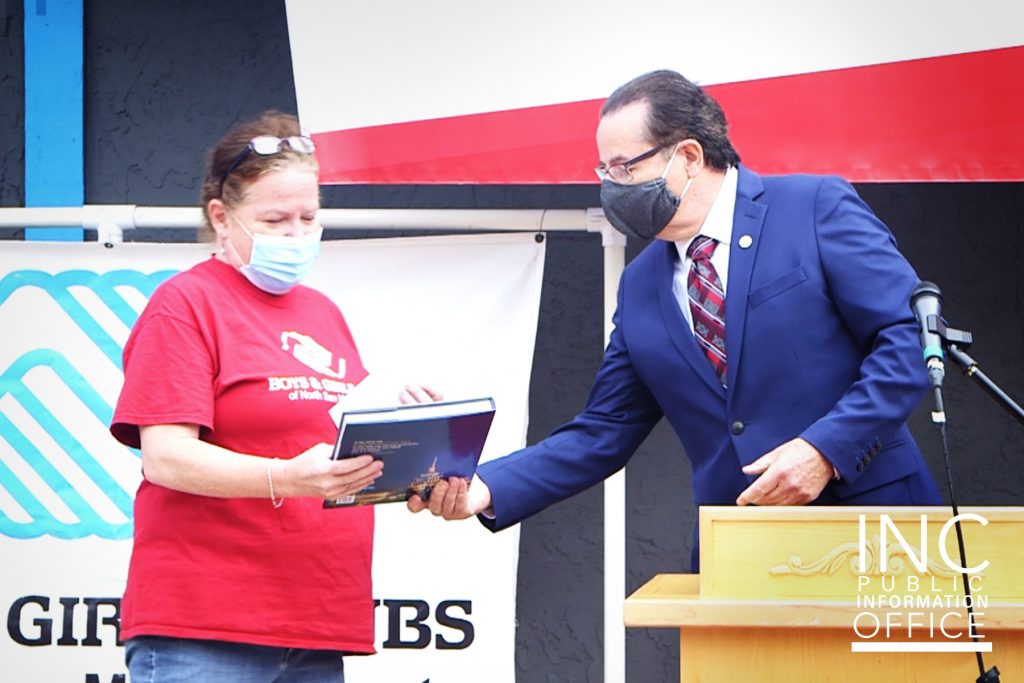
<point>692,154</point>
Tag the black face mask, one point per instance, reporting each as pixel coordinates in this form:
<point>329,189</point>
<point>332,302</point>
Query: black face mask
<point>642,210</point>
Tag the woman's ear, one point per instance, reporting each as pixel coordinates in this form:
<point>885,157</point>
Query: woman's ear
<point>218,215</point>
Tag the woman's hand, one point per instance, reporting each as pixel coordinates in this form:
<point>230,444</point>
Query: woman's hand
<point>417,393</point>
<point>173,456</point>
<point>313,473</point>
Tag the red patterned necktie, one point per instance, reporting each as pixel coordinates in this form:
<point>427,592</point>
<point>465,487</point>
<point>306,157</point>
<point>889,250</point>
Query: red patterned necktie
<point>707,302</point>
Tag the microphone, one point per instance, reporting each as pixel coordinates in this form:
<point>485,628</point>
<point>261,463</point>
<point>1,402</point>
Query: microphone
<point>926,303</point>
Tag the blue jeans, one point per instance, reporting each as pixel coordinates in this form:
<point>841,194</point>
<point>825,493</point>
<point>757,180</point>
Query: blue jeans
<point>157,659</point>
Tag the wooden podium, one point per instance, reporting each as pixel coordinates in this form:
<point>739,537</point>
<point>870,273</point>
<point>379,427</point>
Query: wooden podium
<point>793,594</point>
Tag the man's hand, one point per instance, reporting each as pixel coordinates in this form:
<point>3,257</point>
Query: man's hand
<point>792,474</point>
<point>454,499</point>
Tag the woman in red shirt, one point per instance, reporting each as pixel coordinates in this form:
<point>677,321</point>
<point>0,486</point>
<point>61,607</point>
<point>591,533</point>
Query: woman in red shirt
<point>237,572</point>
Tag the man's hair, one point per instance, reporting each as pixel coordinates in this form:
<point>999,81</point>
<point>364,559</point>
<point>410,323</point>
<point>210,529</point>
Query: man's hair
<point>678,109</point>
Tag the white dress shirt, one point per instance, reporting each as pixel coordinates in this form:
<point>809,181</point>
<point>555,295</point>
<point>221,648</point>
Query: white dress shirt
<point>718,226</point>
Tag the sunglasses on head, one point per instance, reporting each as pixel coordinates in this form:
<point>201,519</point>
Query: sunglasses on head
<point>268,145</point>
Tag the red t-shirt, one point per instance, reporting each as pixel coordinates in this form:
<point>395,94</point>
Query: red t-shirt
<point>257,373</point>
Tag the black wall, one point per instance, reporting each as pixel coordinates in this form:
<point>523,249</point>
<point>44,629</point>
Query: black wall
<point>12,106</point>
<point>164,80</point>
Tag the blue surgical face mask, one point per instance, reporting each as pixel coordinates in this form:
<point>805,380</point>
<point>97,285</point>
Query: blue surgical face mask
<point>278,262</point>
<point>642,210</point>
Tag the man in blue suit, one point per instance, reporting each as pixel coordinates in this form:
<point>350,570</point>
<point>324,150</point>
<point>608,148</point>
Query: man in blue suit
<point>797,392</point>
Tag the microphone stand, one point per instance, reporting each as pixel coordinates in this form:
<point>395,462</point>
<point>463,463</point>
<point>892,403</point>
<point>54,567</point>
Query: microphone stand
<point>953,340</point>
<point>971,369</point>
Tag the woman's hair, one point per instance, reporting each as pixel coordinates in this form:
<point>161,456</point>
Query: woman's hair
<point>232,188</point>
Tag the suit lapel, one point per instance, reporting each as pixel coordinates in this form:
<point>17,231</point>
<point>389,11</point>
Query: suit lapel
<point>675,322</point>
<point>748,218</point>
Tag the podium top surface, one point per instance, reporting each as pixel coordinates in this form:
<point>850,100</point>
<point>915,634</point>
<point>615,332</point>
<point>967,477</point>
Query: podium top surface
<point>674,601</point>
<point>820,566</point>
<point>837,553</point>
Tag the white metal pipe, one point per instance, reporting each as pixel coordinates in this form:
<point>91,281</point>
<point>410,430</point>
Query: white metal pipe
<point>614,244</point>
<point>459,219</point>
<point>130,217</point>
<point>144,217</point>
<point>40,217</point>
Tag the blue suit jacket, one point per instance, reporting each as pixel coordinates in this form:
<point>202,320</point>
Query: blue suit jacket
<point>821,344</point>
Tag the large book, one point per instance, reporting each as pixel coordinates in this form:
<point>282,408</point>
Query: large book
<point>419,444</point>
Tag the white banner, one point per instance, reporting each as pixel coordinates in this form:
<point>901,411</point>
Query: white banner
<point>459,313</point>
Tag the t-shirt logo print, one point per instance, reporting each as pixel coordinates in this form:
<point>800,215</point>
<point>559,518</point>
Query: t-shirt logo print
<point>309,352</point>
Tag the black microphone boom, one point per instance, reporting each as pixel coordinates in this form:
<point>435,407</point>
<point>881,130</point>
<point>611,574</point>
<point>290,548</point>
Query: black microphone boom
<point>926,303</point>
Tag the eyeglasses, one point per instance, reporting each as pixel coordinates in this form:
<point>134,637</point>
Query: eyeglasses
<point>622,173</point>
<point>268,145</point>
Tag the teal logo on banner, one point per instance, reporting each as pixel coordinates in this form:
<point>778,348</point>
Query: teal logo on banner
<point>46,416</point>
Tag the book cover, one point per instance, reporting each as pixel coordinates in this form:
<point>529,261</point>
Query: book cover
<point>419,444</point>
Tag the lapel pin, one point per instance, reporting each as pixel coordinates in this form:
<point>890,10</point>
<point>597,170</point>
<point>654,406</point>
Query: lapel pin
<point>746,241</point>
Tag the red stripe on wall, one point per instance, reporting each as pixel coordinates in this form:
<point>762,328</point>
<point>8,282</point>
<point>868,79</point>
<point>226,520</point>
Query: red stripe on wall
<point>553,144</point>
<point>947,118</point>
<point>959,117</point>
